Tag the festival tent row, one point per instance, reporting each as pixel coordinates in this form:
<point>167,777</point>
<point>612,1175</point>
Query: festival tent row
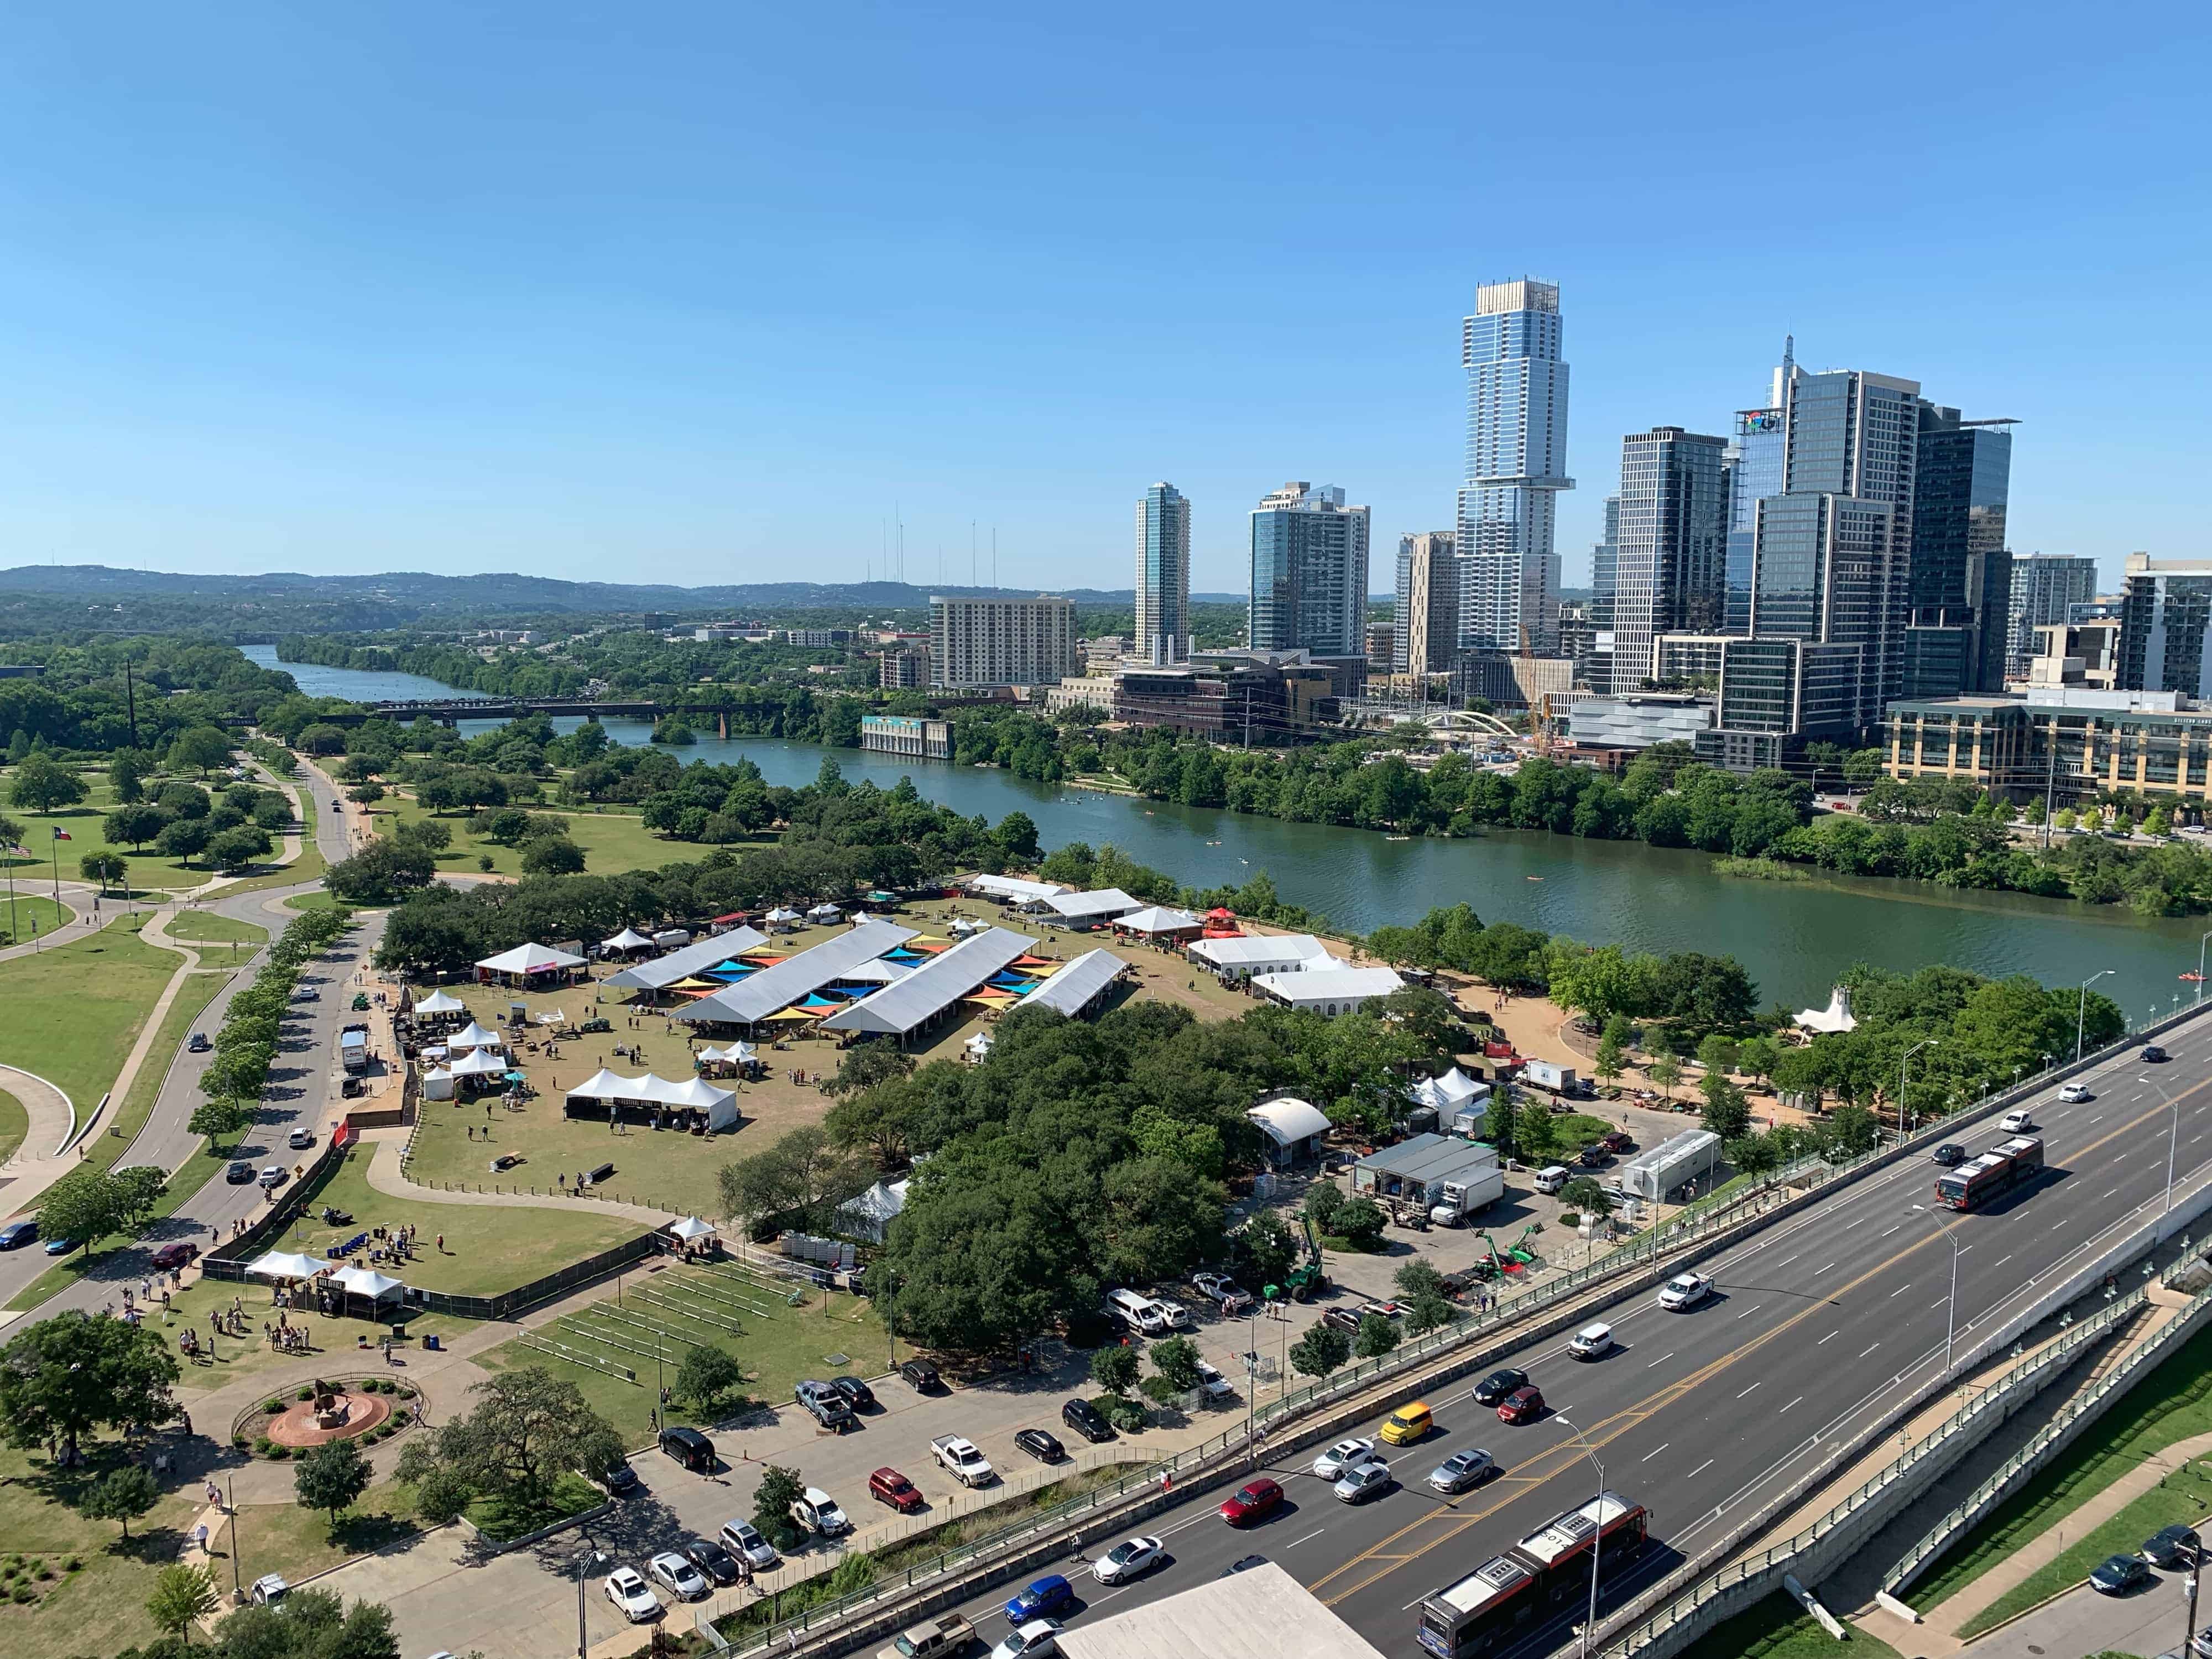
<point>662,972</point>
<point>763,995</point>
<point>608,1095</point>
<point>1079,987</point>
<point>931,989</point>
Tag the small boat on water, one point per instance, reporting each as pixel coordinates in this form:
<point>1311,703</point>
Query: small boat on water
<point>1397,838</point>
<point>1532,878</point>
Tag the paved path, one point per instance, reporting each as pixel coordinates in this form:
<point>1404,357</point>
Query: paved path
<point>82,918</point>
<point>386,1176</point>
<point>43,1159</point>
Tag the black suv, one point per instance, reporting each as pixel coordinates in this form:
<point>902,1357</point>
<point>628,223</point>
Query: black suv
<point>238,1173</point>
<point>921,1375</point>
<point>1949,1154</point>
<point>858,1395</point>
<point>1496,1386</point>
<point>2173,1546</point>
<point>2153,1053</point>
<point>712,1559</point>
<point>689,1448</point>
<point>1045,1448</point>
<point>1086,1420</point>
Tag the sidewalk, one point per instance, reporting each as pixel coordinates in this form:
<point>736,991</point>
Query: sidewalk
<point>81,920</point>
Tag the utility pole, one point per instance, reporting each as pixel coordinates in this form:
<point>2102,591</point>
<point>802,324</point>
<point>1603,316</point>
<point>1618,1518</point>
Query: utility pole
<point>131,700</point>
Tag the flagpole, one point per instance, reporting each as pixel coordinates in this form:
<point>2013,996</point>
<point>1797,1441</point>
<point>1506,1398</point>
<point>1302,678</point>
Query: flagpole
<point>57,845</point>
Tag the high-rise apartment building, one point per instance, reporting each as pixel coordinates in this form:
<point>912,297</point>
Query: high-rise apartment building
<point>979,643</point>
<point>1671,543</point>
<point>1754,466</point>
<point>1308,573</point>
<point>1517,451</point>
<point>2045,587</point>
<point>1960,584</point>
<point>1605,564</point>
<point>1162,576</point>
<point>1427,637</point>
<point>2166,626</point>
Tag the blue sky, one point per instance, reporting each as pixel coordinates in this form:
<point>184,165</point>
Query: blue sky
<point>697,293</point>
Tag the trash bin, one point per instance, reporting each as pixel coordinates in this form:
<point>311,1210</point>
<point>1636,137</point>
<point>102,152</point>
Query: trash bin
<point>430,1344</point>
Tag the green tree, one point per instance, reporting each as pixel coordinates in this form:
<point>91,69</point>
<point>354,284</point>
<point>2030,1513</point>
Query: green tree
<point>1114,1368</point>
<point>1852,1131</point>
<point>1268,1247</point>
<point>1418,1278</point>
<point>1719,1054</point>
<point>201,748</point>
<point>182,1597</point>
<point>1665,1071</point>
<point>1375,1337</point>
<point>1586,1195</point>
<point>43,784</point>
<point>1323,1199</point>
<point>366,794</point>
<point>779,1489</point>
<point>1176,1359</point>
<point>123,1495</point>
<point>708,1376</point>
<point>1727,1113</point>
<point>218,1118</point>
<point>1755,1056</point>
<point>1322,1350</point>
<point>103,867</point>
<point>235,849</point>
<point>183,839</point>
<point>528,1428</point>
<point>1360,1220</point>
<point>1606,1065</point>
<point>551,855</point>
<point>134,824</point>
<point>126,774</point>
<point>1536,1132</point>
<point>331,1477</point>
<point>68,1374</point>
<point>1428,1313</point>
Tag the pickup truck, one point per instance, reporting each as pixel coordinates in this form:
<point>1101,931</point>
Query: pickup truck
<point>961,1460</point>
<point>947,1634</point>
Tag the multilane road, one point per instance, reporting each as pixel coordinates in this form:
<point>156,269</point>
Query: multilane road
<point>1820,1323</point>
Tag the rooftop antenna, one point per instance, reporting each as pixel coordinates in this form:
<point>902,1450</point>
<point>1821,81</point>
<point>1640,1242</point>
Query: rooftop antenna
<point>995,558</point>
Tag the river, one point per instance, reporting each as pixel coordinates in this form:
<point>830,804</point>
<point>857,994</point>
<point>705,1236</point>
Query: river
<point>1794,937</point>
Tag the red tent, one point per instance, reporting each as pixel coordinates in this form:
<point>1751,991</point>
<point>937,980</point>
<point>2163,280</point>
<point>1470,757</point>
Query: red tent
<point>1221,923</point>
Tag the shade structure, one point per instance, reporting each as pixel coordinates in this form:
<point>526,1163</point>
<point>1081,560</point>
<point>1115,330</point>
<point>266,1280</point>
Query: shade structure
<point>438,1085</point>
<point>738,1053</point>
<point>934,987</point>
<point>368,1282</point>
<point>629,940</point>
<point>825,913</point>
<point>1159,920</point>
<point>473,1035</point>
<point>1012,888</point>
<point>530,959</point>
<point>613,1091</point>
<point>694,957</point>
<point>1077,989</point>
<point>1096,905</point>
<point>482,1063</point>
<point>881,972</point>
<point>280,1265</point>
<point>691,1229</point>
<point>782,913</point>
<point>802,1015</point>
<point>439,1002</point>
<point>759,996</point>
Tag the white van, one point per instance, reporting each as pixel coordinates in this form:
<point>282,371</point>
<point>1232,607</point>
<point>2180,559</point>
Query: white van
<point>1591,1342</point>
<point>1551,1177</point>
<point>1136,1313</point>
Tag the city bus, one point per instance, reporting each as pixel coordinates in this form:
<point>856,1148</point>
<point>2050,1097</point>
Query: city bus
<point>2001,1169</point>
<point>1510,1595</point>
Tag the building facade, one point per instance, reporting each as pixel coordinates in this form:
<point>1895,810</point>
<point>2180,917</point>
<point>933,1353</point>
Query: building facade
<point>2062,743</point>
<point>1640,720</point>
<point>1308,573</point>
<point>1516,450</point>
<point>1671,538</point>
<point>2044,588</point>
<point>906,734</point>
<point>903,669</point>
<point>1427,635</point>
<point>1162,576</point>
<point>1755,472</point>
<point>2166,625</point>
<point>979,643</point>
<point>1605,564</point>
<point>1959,588</point>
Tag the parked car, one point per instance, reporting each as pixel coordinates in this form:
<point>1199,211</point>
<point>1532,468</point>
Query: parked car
<point>888,1485</point>
<point>1341,1456</point>
<point>271,1176</point>
<point>1048,1594</point>
<point>1224,1292</point>
<point>1243,1563</point>
<point>1037,1639</point>
<point>60,1246</point>
<point>1950,1155</point>
<point>1362,1481</point>
<point>2118,1574</point>
<point>1461,1470</point>
<point>858,1395</point>
<point>1523,1405</point>
<point>1087,1421</point>
<point>1617,1141</point>
<point>1344,1319</point>
<point>1213,1385</point>
<point>2154,1053</point>
<point>1253,1501</point>
<point>170,1257</point>
<point>1684,1292</point>
<point>824,1405</point>
<point>1130,1558</point>
<point>1594,1156</point>
<point>1495,1387</point>
<point>676,1574</point>
<point>2172,1547</point>
<point>1177,1316</point>
<point>619,1479</point>
<point>711,1558</point>
<point>743,1540</point>
<point>16,1234</point>
<point>920,1374</point>
<point>689,1448</point>
<point>632,1596</point>
<point>199,1043</point>
<point>1045,1448</point>
<point>237,1172</point>
<point>818,1511</point>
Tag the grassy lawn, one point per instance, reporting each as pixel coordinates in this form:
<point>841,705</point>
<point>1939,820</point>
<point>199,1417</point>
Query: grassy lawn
<point>287,1539</point>
<point>65,1273</point>
<point>2174,1402</point>
<point>14,1124</point>
<point>74,1012</point>
<point>2184,1496</point>
<point>613,840</point>
<point>192,998</point>
<point>211,927</point>
<point>82,823</point>
<point>26,917</point>
<point>235,1358</point>
<point>498,1519</point>
<point>1778,1628</point>
<point>776,1344</point>
<point>308,867</point>
<point>101,1608</point>
<point>664,1170</point>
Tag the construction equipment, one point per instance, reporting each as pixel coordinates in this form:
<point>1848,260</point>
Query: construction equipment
<point>1307,1281</point>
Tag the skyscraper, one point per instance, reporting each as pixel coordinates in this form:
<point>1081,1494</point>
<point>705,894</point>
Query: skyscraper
<point>1605,564</point>
<point>977,643</point>
<point>1671,545</point>
<point>1516,448</point>
<point>1162,577</point>
<point>1427,638</point>
<point>1754,463</point>
<point>1308,573</point>
<point>2043,586</point>
<point>1960,586</point>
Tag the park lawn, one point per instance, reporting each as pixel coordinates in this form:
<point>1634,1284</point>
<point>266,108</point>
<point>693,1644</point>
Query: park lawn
<point>14,1124</point>
<point>340,1339</point>
<point>26,916</point>
<point>213,927</point>
<point>82,823</point>
<point>191,1000</point>
<point>296,1542</point>
<point>75,1266</point>
<point>499,1519</point>
<point>490,1248</point>
<point>101,1608</point>
<point>2174,1402</point>
<point>662,1168</point>
<point>777,1346</point>
<point>1778,1628</point>
<point>74,1012</point>
<point>2184,1498</point>
<point>613,841</point>
<point>308,867</point>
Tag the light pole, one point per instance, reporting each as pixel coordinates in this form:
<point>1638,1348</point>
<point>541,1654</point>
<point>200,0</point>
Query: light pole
<point>1924,1042</point>
<point>1597,1538</point>
<point>587,1557</point>
<point>237,1582</point>
<point>2195,1571</point>
<point>2172,1142</point>
<point>2081,1010</point>
<point>1951,1302</point>
<point>2200,965</point>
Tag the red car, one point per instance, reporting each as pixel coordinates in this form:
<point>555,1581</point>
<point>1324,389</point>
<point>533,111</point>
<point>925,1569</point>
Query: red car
<point>170,1257</point>
<point>1616,1142</point>
<point>1523,1405</point>
<point>889,1486</point>
<point>1252,1501</point>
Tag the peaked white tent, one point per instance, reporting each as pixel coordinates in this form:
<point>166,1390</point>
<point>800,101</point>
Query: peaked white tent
<point>629,940</point>
<point>367,1281</point>
<point>285,1264</point>
<point>612,1091</point>
<point>439,1002</point>
<point>782,917</point>
<point>482,1063</point>
<point>1836,1017</point>
<point>691,1230</point>
<point>1447,1093</point>
<point>825,913</point>
<point>527,962</point>
<point>437,1084</point>
<point>1160,918</point>
<point>738,1053</point>
<point>473,1035</point>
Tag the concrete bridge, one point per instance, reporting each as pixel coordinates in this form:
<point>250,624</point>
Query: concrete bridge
<point>448,712</point>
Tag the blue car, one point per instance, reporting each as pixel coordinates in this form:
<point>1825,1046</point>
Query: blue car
<point>16,1234</point>
<point>1040,1601</point>
<point>60,1246</point>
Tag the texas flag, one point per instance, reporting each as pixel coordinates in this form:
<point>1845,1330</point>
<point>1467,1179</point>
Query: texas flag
<point>61,834</point>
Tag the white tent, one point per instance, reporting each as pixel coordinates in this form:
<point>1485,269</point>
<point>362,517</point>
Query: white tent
<point>482,1063</point>
<point>1836,1017</point>
<point>738,1053</point>
<point>720,1105</point>
<point>869,1214</point>
<point>284,1264</point>
<point>629,940</point>
<point>605,1085</point>
<point>1447,1093</point>
<point>366,1281</point>
<point>526,959</point>
<point>691,1230</point>
<point>878,972</point>
<point>439,1002</point>
<point>473,1035</point>
<point>1160,918</point>
<point>437,1084</point>
<point>782,914</point>
<point>825,912</point>
<point>978,1046</point>
<point>964,926</point>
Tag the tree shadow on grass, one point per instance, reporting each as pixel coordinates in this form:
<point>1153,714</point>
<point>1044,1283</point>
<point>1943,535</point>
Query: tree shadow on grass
<point>363,1534</point>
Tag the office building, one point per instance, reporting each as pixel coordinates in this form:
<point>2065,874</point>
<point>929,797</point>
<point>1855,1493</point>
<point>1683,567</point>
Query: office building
<point>1427,635</point>
<point>1237,696</point>
<point>1380,646</point>
<point>1162,576</point>
<point>2085,653</point>
<point>910,735</point>
<point>1960,588</point>
<point>2067,744</point>
<point>1517,451</point>
<point>1670,536</point>
<point>1605,563</point>
<point>1639,721</point>
<point>903,669</point>
<point>1308,573</point>
<point>979,643</point>
<point>2164,642</point>
<point>1754,470</point>
<point>2044,588</point>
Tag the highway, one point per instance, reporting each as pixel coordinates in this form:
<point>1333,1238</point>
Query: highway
<point>1819,1324</point>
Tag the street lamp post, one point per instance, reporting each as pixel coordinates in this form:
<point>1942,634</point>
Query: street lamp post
<point>2081,1010</point>
<point>1925,1042</point>
<point>1597,1538</point>
<point>1951,1302</point>
<point>2172,1142</point>
<point>2200,965</point>
<point>587,1557</point>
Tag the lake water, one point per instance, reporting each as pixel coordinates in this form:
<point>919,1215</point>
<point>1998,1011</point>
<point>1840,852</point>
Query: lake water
<point>1793,936</point>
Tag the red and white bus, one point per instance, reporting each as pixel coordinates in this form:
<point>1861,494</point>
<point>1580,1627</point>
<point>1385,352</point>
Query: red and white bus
<point>1510,1595</point>
<point>2001,1169</point>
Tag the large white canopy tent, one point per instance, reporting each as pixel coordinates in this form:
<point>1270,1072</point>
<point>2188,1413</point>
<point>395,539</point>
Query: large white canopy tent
<point>527,962</point>
<point>282,1265</point>
<point>612,1092</point>
<point>697,957</point>
<point>473,1035</point>
<point>439,1002</point>
<point>629,940</point>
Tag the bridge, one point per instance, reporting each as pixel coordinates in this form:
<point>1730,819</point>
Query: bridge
<point>448,711</point>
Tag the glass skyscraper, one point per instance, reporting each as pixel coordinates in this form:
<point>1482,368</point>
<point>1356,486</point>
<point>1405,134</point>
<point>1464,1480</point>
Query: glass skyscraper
<point>1605,566</point>
<point>1961,582</point>
<point>1754,462</point>
<point>1670,541</point>
<point>1162,577</point>
<point>1426,639</point>
<point>1308,573</point>
<point>1517,447</point>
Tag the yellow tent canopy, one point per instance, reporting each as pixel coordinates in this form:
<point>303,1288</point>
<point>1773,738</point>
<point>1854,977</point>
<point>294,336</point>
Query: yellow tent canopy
<point>798,1013</point>
<point>697,984</point>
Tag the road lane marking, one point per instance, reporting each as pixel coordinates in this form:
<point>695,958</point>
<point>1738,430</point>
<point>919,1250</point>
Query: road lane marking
<point>1759,1384</point>
<point>1308,1538</point>
<point>1649,1456</point>
<point>1891,1231</point>
<point>1799,1401</point>
<point>1824,1270</point>
<point>1898,1291</point>
<point>1829,1338</point>
<point>1868,1349</point>
<point>1699,1470</point>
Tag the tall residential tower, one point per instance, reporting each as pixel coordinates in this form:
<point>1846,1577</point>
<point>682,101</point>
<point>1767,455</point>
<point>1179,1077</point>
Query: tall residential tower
<point>1308,573</point>
<point>1516,450</point>
<point>1670,545</point>
<point>1427,636</point>
<point>1162,577</point>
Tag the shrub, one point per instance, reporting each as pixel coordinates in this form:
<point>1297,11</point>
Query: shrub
<point>45,1571</point>
<point>273,1407</point>
<point>402,1416</point>
<point>1127,1415</point>
<point>26,1594</point>
<point>262,1446</point>
<point>304,1393</point>
<point>1338,1242</point>
<point>406,1393</point>
<point>278,1454</point>
<point>1160,1389</point>
<point>1569,1218</point>
<point>75,1563</point>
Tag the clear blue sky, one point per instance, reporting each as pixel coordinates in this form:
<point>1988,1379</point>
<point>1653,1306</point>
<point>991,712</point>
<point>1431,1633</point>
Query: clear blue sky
<point>696,291</point>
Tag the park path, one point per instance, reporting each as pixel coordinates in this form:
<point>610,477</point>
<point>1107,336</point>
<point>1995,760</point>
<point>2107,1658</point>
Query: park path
<point>388,1178</point>
<point>83,921</point>
<point>44,1157</point>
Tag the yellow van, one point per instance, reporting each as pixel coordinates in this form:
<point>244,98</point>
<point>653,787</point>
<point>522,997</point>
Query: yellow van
<point>1407,1424</point>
